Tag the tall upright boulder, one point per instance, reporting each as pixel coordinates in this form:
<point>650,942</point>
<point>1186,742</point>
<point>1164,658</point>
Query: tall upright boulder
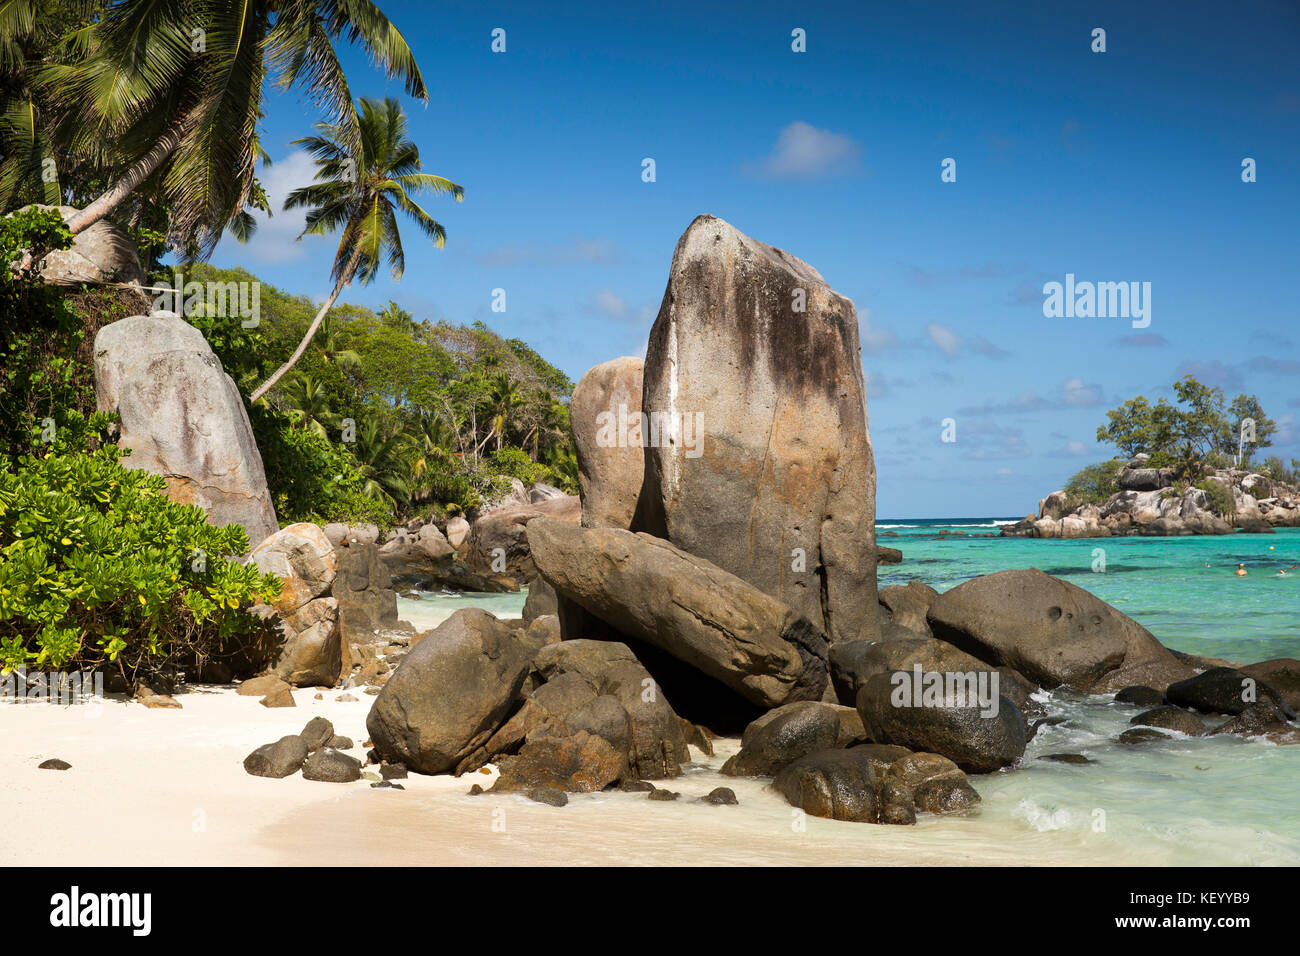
<point>183,418</point>
<point>761,461</point>
<point>605,411</point>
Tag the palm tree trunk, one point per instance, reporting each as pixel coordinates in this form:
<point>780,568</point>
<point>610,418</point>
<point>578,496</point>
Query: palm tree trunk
<point>130,180</point>
<point>344,278</point>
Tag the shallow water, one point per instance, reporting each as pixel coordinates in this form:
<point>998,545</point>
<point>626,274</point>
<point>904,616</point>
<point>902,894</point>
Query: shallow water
<point>1183,801</point>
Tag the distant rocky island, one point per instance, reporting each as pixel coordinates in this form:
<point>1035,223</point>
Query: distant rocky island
<point>1150,501</point>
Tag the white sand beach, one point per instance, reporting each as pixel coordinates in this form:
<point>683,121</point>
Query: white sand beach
<point>154,787</point>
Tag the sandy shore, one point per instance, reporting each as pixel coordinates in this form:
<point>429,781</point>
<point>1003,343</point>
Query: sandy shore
<point>167,787</point>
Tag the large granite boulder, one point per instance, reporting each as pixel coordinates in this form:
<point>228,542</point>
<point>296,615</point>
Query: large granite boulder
<point>314,653</point>
<point>304,560</point>
<point>101,254</point>
<point>363,588</point>
<point>1224,690</point>
<point>450,693</point>
<point>782,736</point>
<point>908,604</point>
<point>759,459</point>
<point>853,663</point>
<point>416,558</point>
<point>182,417</point>
<point>1052,632</point>
<point>605,411</point>
<point>601,688</point>
<point>686,606</point>
<point>978,736</point>
<point>498,540</point>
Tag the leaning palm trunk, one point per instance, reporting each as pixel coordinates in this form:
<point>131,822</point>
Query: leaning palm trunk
<point>129,182</point>
<point>344,278</point>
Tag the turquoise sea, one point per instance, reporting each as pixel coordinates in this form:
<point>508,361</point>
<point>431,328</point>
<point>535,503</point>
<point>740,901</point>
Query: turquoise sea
<point>1192,801</point>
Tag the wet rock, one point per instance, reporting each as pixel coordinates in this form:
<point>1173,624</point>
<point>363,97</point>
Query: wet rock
<point>280,759</point>
<point>1260,718</point>
<point>1171,718</point>
<point>1067,758</point>
<point>1143,735</point>
<point>551,796</point>
<point>581,763</point>
<point>1140,696</point>
<point>1223,690</point>
<point>636,786</point>
<point>660,794</point>
<point>392,771</point>
<point>935,783</point>
<point>835,784</point>
<point>721,797</point>
<point>1282,674</point>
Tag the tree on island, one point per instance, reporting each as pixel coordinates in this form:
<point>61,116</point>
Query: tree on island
<point>1198,431</point>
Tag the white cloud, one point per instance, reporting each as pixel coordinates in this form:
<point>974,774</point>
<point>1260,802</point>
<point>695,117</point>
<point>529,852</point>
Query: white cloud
<point>873,339</point>
<point>275,241</point>
<point>803,151</point>
<point>1076,394</point>
<point>947,341</point>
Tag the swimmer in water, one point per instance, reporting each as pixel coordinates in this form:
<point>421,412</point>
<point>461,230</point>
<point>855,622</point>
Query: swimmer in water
<point>1241,569</point>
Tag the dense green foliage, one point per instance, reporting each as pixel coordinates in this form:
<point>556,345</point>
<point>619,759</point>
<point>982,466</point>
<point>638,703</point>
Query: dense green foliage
<point>1196,432</point>
<point>1218,498</point>
<point>435,417</point>
<point>99,566</point>
<point>1092,485</point>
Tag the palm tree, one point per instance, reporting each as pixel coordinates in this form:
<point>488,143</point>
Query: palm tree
<point>308,404</point>
<point>360,189</point>
<point>395,317</point>
<point>378,450</point>
<point>331,350</point>
<point>176,86</point>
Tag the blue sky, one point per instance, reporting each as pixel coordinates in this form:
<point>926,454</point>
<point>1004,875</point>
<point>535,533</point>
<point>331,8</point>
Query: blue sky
<point>1115,166</point>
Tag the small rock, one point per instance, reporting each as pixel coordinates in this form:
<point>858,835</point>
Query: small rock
<point>260,686</point>
<point>372,691</point>
<point>386,785</point>
<point>279,698</point>
<point>346,699</point>
<point>153,701</point>
<point>475,790</point>
<point>392,771</point>
<point>1171,718</point>
<point>280,759</point>
<point>340,743</point>
<point>661,794</point>
<point>330,766</point>
<point>636,786</point>
<point>1142,735</point>
<point>1140,695</point>
<point>551,796</point>
<point>721,797</point>
<point>54,763</point>
<point>317,733</point>
<point>1066,758</point>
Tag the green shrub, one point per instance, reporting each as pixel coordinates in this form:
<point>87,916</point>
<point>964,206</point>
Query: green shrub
<point>98,566</point>
<point>1218,498</point>
<point>516,463</point>
<point>1093,485</point>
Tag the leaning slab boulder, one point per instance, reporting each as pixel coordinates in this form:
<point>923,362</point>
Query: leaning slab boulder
<point>1052,632</point>
<point>183,418</point>
<point>686,606</point>
<point>759,459</point>
<point>607,437</point>
<point>450,693</point>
